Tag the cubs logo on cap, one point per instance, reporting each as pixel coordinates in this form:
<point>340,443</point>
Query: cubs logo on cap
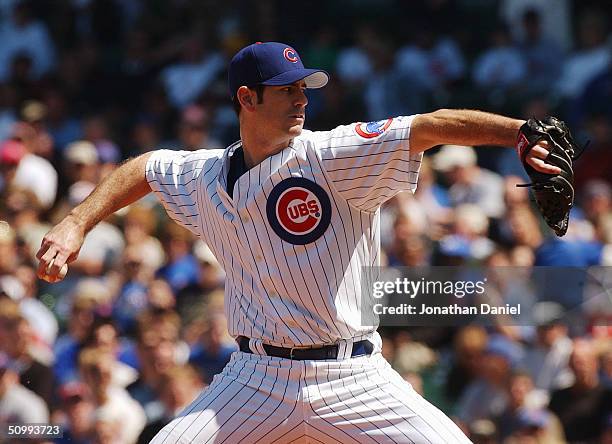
<point>298,210</point>
<point>372,129</point>
<point>271,63</point>
<point>290,54</point>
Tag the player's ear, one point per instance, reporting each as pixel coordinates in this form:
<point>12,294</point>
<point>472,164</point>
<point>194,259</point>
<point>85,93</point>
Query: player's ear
<point>247,98</point>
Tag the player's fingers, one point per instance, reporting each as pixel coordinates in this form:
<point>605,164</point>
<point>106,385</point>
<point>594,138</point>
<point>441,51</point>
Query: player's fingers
<point>44,246</point>
<point>45,262</point>
<point>543,167</point>
<point>56,264</point>
<point>539,152</point>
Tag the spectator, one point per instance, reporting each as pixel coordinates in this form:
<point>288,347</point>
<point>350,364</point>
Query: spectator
<point>470,183</point>
<point>523,409</point>
<point>590,58</point>
<point>95,130</point>
<point>42,321</point>
<point>104,337</point>
<point>77,405</point>
<point>96,369</point>
<point>548,357</point>
<point>471,224</point>
<point>30,363</point>
<point>500,68</point>
<point>354,66</point>
<point>90,296</point>
<point>159,349</point>
<point>486,396</point>
<point>543,56</point>
<point>434,199</point>
<point>556,19</point>
<point>211,277</point>
<point>213,351</point>
<point>435,61</point>
<point>24,210</point>
<point>533,425</point>
<point>62,125</point>
<point>389,91</point>
<point>23,35</point>
<point>82,164</point>
<point>24,169</point>
<point>194,129</point>
<point>18,405</point>
<point>186,80</point>
<point>179,386</point>
<point>469,345</point>
<point>181,269</point>
<point>584,406</point>
<point>32,130</point>
<point>597,200</point>
<point>135,277</point>
<point>144,136</point>
<point>138,228</point>
<point>9,257</point>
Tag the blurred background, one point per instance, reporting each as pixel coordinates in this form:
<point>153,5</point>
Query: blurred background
<point>85,84</point>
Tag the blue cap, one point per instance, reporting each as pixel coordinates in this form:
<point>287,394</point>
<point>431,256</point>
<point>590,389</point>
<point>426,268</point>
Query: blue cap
<point>533,418</point>
<point>271,63</point>
<point>455,246</point>
<point>499,345</point>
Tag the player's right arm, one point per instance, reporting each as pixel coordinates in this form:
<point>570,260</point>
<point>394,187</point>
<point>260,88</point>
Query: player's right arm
<point>62,243</point>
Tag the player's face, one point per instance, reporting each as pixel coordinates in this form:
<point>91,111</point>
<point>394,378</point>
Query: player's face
<point>282,110</point>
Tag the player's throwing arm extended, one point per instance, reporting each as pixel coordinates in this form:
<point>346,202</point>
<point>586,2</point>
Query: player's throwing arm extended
<point>293,215</point>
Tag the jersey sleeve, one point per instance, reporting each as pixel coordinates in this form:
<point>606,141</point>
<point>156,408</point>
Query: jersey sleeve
<point>370,162</point>
<point>175,177</point>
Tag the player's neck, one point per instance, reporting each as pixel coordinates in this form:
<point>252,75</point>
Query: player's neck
<point>258,147</point>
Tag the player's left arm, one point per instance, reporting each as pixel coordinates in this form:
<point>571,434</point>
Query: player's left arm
<point>469,127</point>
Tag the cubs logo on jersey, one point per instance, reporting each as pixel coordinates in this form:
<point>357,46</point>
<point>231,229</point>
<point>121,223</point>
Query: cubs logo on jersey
<point>372,129</point>
<point>298,210</point>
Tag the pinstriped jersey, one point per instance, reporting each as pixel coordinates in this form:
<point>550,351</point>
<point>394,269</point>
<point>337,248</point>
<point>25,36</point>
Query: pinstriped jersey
<point>298,227</point>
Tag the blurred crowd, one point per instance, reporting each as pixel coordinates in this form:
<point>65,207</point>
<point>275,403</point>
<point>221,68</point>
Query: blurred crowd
<point>137,329</point>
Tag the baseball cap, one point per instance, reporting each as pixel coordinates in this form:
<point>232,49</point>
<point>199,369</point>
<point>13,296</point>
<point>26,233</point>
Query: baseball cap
<point>451,156</point>
<point>271,63</point>
<point>455,246</point>
<point>536,418</point>
<point>11,152</point>
<point>81,152</point>
<point>504,348</point>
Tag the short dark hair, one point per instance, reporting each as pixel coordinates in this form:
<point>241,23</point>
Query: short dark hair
<point>259,90</point>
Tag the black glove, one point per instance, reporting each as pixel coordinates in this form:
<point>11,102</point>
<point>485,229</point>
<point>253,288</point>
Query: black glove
<point>554,193</point>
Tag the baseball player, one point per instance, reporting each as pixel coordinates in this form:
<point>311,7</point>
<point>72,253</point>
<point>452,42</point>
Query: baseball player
<point>292,215</point>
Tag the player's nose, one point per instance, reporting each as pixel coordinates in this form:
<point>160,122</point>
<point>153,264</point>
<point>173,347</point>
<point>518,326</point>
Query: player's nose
<point>300,99</point>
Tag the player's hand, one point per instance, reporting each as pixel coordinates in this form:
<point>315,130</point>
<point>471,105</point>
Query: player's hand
<point>535,158</point>
<point>60,246</point>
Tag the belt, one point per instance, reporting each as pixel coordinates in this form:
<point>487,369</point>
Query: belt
<point>360,348</point>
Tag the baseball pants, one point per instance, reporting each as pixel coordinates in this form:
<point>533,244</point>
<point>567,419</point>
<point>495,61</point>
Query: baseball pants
<point>264,399</point>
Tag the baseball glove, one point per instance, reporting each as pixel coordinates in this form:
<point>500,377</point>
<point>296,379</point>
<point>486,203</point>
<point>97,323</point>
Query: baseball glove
<point>553,193</point>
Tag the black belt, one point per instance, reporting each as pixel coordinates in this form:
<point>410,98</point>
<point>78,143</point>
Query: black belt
<point>360,348</point>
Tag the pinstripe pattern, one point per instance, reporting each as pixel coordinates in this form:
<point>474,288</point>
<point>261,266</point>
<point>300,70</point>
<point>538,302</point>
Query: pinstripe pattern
<point>260,399</point>
<point>289,293</point>
<point>286,294</point>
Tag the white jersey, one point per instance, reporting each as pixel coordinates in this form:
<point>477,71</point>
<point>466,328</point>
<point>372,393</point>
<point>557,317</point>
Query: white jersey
<point>298,228</point>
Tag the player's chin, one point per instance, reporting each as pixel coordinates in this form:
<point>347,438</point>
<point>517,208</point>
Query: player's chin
<point>296,128</point>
